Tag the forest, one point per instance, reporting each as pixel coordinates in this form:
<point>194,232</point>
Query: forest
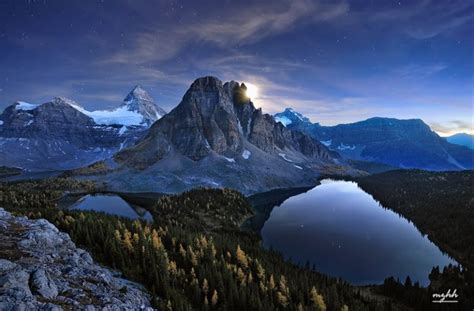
<point>194,255</point>
<point>441,205</point>
<point>197,255</point>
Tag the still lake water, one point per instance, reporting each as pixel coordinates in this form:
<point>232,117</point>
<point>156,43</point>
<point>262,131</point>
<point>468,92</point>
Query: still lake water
<point>345,233</point>
<point>111,204</point>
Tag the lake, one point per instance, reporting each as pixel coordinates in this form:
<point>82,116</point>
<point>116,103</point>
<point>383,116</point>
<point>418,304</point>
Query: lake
<point>345,233</point>
<point>111,204</point>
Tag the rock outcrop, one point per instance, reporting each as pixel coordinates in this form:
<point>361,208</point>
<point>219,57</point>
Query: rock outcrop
<point>42,269</point>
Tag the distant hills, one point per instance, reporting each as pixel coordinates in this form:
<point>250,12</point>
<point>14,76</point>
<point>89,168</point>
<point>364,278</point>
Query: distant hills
<point>398,143</point>
<point>462,139</point>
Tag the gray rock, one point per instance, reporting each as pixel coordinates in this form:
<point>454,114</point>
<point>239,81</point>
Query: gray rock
<point>43,285</point>
<point>14,284</point>
<point>53,269</point>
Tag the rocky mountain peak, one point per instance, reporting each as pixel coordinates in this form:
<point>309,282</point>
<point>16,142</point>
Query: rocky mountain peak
<point>140,101</point>
<point>290,116</point>
<point>218,118</point>
<point>206,84</point>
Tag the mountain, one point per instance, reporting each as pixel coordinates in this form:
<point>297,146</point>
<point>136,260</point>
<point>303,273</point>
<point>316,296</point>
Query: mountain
<point>139,101</point>
<point>60,134</point>
<point>138,109</point>
<point>462,139</point>
<point>399,143</point>
<point>216,137</point>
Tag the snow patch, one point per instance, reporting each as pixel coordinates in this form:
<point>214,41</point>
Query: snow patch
<point>231,160</point>
<point>283,120</point>
<point>297,166</point>
<point>29,123</point>
<point>25,106</point>
<point>345,147</point>
<point>122,130</point>
<point>284,157</point>
<point>246,154</point>
<point>1,122</point>
<point>241,130</point>
<point>326,143</point>
<point>120,115</point>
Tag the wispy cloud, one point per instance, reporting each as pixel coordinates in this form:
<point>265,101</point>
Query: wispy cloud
<point>239,25</point>
<point>452,127</point>
<point>427,19</point>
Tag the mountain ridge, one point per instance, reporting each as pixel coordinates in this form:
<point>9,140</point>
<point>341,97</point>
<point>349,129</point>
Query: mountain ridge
<point>462,139</point>
<point>401,143</point>
<point>60,134</point>
<point>215,137</point>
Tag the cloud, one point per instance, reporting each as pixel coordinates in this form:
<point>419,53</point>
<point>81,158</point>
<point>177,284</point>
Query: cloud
<point>419,71</point>
<point>427,19</point>
<point>239,25</point>
<point>452,127</point>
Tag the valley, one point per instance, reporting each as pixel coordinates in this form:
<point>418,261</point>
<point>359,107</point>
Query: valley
<point>284,155</point>
<point>183,222</point>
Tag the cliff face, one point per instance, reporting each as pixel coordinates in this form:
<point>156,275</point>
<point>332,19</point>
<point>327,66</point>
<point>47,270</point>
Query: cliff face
<point>42,269</point>
<point>217,117</point>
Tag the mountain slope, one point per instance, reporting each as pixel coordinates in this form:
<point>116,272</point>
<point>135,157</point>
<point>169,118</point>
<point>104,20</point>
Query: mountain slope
<point>60,134</point>
<point>216,137</point>
<point>462,139</point>
<point>400,143</point>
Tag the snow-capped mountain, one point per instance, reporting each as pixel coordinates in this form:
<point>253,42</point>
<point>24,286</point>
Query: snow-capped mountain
<point>140,102</point>
<point>215,137</point>
<point>138,109</point>
<point>290,116</point>
<point>399,143</point>
<point>61,134</point>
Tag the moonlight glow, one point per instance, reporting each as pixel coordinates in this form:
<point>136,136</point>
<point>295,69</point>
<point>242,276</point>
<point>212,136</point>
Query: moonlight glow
<point>252,90</point>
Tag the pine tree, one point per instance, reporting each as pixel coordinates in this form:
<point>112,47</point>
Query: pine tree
<point>242,257</point>
<point>214,298</point>
<point>317,299</point>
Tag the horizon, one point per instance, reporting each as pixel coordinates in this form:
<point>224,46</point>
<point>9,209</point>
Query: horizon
<point>335,63</point>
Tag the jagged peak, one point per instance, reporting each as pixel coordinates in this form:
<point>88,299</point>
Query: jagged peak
<point>289,115</point>
<point>206,83</point>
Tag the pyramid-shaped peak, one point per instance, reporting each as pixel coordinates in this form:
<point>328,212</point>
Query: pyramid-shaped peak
<point>139,92</point>
<point>140,101</point>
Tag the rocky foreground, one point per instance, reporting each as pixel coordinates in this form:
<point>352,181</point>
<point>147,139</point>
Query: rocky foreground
<point>42,269</point>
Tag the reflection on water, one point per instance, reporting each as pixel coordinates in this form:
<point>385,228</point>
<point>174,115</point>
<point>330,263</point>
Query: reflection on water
<point>111,204</point>
<point>344,232</point>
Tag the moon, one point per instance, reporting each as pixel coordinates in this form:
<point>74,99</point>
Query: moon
<point>252,90</point>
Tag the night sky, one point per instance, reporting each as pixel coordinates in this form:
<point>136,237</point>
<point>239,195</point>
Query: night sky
<point>333,61</point>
